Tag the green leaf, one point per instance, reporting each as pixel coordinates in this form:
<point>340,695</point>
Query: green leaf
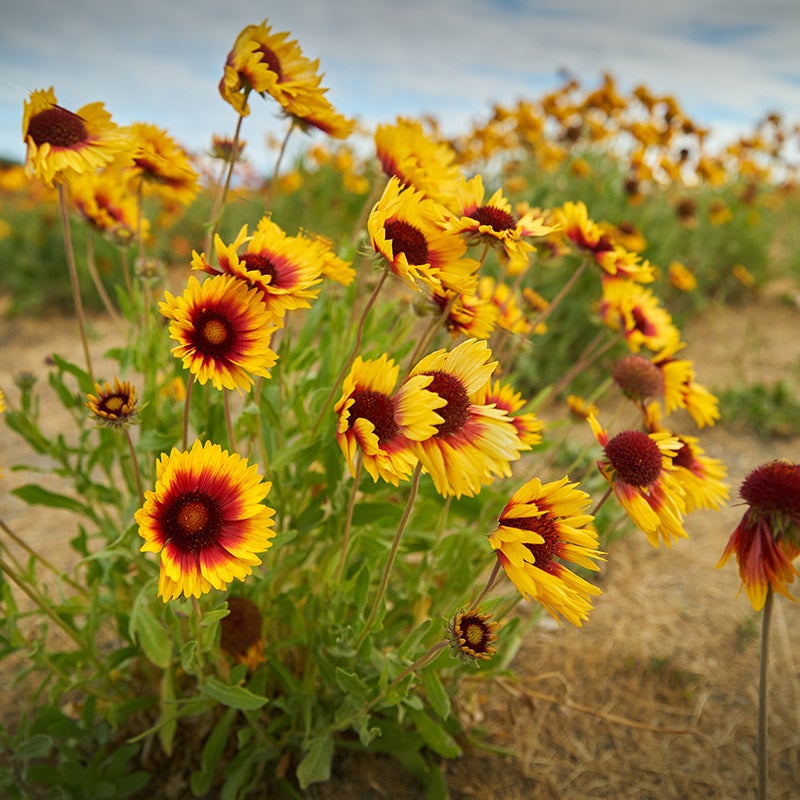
<point>435,736</point>
<point>145,628</point>
<point>36,747</point>
<point>37,496</point>
<point>232,696</point>
<point>351,684</point>
<point>316,764</point>
<point>411,642</point>
<point>201,780</point>
<point>435,692</point>
<point>167,712</point>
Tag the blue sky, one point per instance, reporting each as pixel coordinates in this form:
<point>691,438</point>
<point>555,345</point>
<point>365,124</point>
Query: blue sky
<point>728,62</point>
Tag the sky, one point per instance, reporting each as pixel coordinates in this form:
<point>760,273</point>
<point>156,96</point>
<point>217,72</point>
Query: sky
<point>728,62</point>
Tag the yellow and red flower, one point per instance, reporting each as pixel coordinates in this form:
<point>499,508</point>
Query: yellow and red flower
<point>542,527</point>
<point>475,442</point>
<point>382,424</point>
<point>639,467</point>
<point>206,519</point>
<point>409,231</point>
<point>504,396</point>
<point>62,143</point>
<point>114,406</point>
<point>223,331</point>
<point>767,539</point>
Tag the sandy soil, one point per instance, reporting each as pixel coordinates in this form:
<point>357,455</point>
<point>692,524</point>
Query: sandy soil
<point>655,696</point>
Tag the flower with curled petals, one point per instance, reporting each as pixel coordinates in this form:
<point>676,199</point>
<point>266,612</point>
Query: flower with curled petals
<point>206,519</point>
<point>542,528</point>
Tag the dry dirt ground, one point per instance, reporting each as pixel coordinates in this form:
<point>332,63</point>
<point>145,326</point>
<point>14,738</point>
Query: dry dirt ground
<point>655,696</point>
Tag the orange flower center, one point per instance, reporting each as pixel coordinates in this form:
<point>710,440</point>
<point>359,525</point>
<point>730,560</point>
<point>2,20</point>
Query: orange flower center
<point>473,634</point>
<point>114,404</point>
<point>379,410</point>
<point>635,457</point>
<point>495,218</point>
<point>57,127</point>
<point>456,412</point>
<point>215,331</point>
<point>408,240</point>
<point>193,517</point>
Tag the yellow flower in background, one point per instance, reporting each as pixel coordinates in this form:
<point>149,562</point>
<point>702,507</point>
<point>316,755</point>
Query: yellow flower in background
<point>62,143</point>
<point>680,277</point>
<point>743,275</point>
<point>409,231</point>
<point>475,442</point>
<point>510,316</point>
<point>767,539</point>
<point>105,201</point>
<point>381,423</point>
<point>5,229</point>
<point>718,212</point>
<point>206,519</point>
<point>467,315</point>
<point>223,331</point>
<point>162,163</point>
<point>504,396</point>
<point>639,468</point>
<point>542,529</point>
<point>408,153</point>
<point>580,408</point>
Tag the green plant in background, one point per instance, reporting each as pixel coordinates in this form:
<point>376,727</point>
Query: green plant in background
<point>297,498</point>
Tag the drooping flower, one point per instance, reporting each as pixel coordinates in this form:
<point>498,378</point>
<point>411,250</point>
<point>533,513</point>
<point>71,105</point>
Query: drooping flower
<point>240,632</point>
<point>634,311</point>
<point>639,468</point>
<point>285,269</point>
<point>162,163</point>
<point>472,635</point>
<point>767,539</point>
<point>223,331</point>
<point>475,442</point>
<point>206,519</point>
<point>381,423</point>
<point>62,143</point>
<point>680,277</point>
<point>105,202</point>
<point>408,230</point>
<point>493,223</point>
<point>542,527</point>
<point>113,406</point>
<point>467,315</point>
<point>409,154</point>
<point>638,378</point>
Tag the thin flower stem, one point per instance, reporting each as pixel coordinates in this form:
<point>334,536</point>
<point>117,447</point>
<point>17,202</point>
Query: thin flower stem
<point>42,560</point>
<point>353,353</point>
<point>601,501</point>
<point>387,570</point>
<point>98,283</point>
<point>378,187</point>
<point>348,522</point>
<point>491,582</point>
<point>135,462</point>
<point>270,195</point>
<point>222,191</point>
<point>763,770</point>
<point>424,341</point>
<point>198,629</point>
<point>189,384</point>
<point>73,277</point>
<point>229,419</point>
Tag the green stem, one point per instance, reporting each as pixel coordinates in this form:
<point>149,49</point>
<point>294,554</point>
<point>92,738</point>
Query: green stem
<point>766,619</point>
<point>73,278</point>
<point>270,195</point>
<point>135,462</point>
<point>228,419</point>
<point>222,192</point>
<point>348,522</point>
<point>189,384</point>
<point>98,283</point>
<point>491,582</point>
<point>387,570</point>
<point>198,619</point>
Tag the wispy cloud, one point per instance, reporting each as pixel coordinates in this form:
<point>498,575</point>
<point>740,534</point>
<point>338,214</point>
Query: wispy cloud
<point>727,60</point>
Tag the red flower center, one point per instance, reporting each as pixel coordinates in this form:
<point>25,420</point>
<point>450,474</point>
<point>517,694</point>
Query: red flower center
<point>408,240</point>
<point>635,457</point>
<point>544,553</point>
<point>495,218</point>
<point>456,412</point>
<point>272,61</point>
<point>378,408</point>
<point>57,127</point>
<point>685,456</point>
<point>260,263</point>
<point>773,487</point>
<point>192,521</point>
<point>638,377</point>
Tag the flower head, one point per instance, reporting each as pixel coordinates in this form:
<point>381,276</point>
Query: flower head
<point>541,527</point>
<point>223,331</point>
<point>114,406</point>
<point>206,519</point>
<point>240,632</point>
<point>382,423</point>
<point>475,442</point>
<point>62,143</point>
<point>408,230</point>
<point>472,635</point>
<point>767,539</point>
<point>640,470</point>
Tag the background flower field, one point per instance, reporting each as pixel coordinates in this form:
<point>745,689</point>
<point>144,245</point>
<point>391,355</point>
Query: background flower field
<point>652,696</point>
